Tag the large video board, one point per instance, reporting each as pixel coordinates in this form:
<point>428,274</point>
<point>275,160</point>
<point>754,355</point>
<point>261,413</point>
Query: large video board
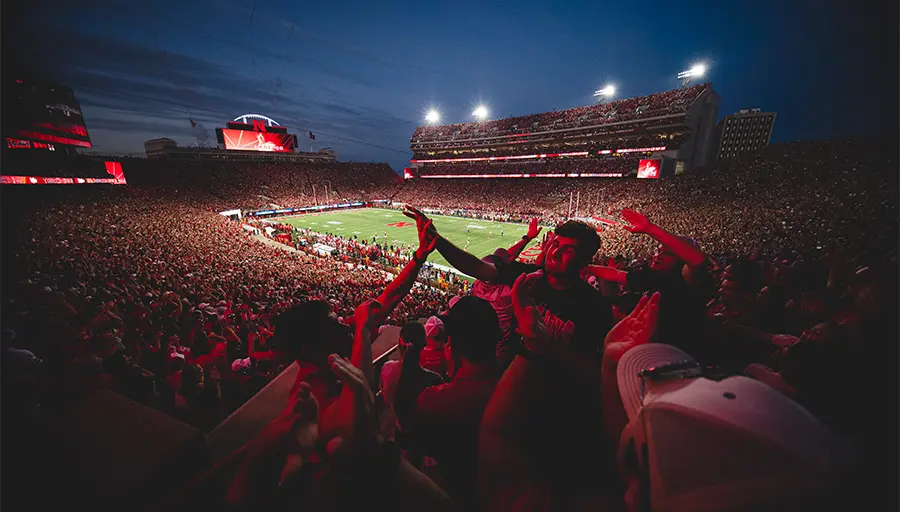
<point>245,140</point>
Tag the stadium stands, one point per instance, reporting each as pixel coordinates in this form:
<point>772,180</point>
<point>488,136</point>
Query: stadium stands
<point>147,291</point>
<point>655,105</point>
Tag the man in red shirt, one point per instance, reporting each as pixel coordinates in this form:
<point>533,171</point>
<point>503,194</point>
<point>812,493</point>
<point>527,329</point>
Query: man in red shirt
<point>442,421</point>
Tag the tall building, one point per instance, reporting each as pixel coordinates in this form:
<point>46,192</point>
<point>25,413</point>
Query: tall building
<point>744,132</point>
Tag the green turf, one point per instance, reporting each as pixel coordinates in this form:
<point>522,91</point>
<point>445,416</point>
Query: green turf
<point>366,222</point>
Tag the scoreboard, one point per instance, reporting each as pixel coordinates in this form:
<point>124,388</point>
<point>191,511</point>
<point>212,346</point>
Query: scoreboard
<point>256,136</point>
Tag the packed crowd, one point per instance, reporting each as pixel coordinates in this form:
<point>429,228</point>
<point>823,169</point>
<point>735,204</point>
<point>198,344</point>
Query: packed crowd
<point>801,196</point>
<point>623,165</point>
<point>223,185</point>
<point>771,283</point>
<point>659,104</point>
<point>159,298</point>
<point>540,392</point>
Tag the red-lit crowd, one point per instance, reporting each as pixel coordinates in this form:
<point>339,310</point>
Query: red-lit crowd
<point>727,342</point>
<point>561,166</point>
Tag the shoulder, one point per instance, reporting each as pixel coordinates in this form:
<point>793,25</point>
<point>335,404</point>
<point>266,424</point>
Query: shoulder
<point>434,394</point>
<point>509,271</point>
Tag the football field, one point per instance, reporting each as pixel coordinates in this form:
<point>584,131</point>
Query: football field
<point>484,237</point>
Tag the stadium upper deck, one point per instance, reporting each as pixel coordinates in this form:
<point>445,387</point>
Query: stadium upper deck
<point>676,124</point>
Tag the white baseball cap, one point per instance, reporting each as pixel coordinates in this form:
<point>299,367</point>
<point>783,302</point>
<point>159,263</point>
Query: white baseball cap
<point>734,444</point>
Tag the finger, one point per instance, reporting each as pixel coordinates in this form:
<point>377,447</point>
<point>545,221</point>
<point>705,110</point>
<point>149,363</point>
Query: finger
<point>349,374</point>
<point>651,306</point>
<point>640,305</point>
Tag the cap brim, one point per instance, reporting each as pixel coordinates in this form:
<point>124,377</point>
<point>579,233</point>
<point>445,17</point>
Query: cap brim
<point>637,359</point>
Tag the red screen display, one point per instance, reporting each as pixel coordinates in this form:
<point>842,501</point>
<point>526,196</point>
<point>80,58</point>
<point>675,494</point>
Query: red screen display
<point>258,141</point>
<point>409,173</point>
<point>648,169</point>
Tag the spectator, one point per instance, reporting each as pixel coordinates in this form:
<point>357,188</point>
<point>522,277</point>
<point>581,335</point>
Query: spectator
<point>442,421</point>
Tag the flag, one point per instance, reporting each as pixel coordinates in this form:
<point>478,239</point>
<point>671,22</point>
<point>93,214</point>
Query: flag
<point>193,123</point>
<point>312,136</point>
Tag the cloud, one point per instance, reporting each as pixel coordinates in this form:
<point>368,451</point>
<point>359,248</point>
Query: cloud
<point>128,88</point>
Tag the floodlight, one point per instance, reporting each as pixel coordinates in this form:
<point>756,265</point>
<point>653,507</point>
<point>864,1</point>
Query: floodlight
<point>608,91</point>
<point>433,116</point>
<point>698,70</point>
<point>480,112</point>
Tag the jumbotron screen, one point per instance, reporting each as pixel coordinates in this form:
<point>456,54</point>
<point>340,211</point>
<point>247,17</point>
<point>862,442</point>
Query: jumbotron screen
<point>245,140</point>
<point>648,169</point>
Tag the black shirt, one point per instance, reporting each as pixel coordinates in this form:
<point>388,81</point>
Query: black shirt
<point>581,312</point>
<point>682,309</point>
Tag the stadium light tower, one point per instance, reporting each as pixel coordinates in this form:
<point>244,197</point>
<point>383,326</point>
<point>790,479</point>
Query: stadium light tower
<point>696,72</point>
<point>605,94</point>
<point>433,116</point>
<point>481,112</point>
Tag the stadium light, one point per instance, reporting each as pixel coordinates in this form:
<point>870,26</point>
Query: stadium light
<point>433,116</point>
<point>696,71</point>
<point>607,92</point>
<point>480,112</point>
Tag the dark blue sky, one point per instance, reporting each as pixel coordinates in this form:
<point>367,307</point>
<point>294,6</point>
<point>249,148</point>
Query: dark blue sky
<point>367,70</point>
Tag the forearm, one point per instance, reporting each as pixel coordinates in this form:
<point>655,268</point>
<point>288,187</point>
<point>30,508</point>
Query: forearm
<point>361,355</point>
<point>517,248</point>
<point>342,409</point>
<point>609,274</point>
<point>685,251</point>
<point>399,287</point>
<point>466,263</point>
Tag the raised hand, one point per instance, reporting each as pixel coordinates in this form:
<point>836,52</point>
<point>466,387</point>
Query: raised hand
<point>361,428</point>
<point>533,229</point>
<point>427,240</point>
<point>367,312</point>
<point>414,213</point>
<point>549,236</point>
<point>637,223</point>
<point>636,328</point>
<point>534,332</point>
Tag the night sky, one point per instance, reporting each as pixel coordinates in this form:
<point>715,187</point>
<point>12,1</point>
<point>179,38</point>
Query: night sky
<point>367,71</point>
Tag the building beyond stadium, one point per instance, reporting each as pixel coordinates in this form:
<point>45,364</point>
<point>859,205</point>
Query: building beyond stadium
<point>665,133</point>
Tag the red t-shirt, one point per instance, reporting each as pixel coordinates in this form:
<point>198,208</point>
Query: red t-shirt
<point>434,359</point>
<point>446,424</point>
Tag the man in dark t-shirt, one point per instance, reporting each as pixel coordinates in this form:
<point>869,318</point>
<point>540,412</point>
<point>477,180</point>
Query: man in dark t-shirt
<point>578,317</point>
<point>573,310</point>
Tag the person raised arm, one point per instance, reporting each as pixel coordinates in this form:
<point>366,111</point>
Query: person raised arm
<point>460,260</point>
<point>400,286</point>
<point>533,231</point>
<point>368,316</point>
<point>683,249</point>
<point>610,274</point>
